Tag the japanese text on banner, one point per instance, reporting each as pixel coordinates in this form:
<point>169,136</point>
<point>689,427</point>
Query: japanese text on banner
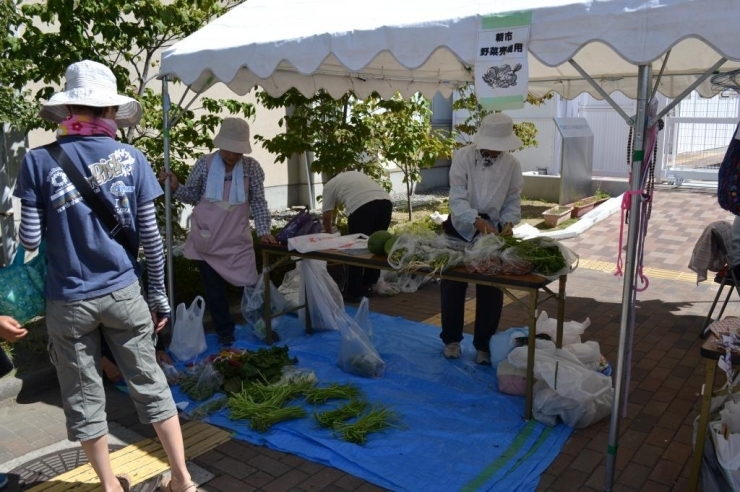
<point>501,69</point>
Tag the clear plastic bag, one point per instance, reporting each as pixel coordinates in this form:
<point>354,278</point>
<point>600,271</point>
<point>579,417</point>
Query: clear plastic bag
<point>362,318</point>
<point>484,255</point>
<point>208,408</point>
<point>171,373</point>
<point>253,302</point>
<point>201,382</point>
<point>357,354</point>
<point>409,283</point>
<point>387,284</point>
<point>408,252</point>
<point>513,264</point>
<point>440,259</point>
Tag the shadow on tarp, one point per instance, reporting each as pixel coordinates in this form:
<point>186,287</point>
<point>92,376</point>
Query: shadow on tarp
<point>458,432</point>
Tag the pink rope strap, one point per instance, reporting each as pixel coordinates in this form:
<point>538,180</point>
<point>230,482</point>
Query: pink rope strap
<point>626,203</point>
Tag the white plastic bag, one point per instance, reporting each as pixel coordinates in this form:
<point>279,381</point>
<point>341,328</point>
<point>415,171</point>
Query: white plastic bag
<point>566,388</point>
<point>322,295</point>
<point>572,330</point>
<point>502,343</point>
<point>357,355</point>
<point>188,335</point>
<point>323,241</point>
<point>291,287</point>
<point>727,448</point>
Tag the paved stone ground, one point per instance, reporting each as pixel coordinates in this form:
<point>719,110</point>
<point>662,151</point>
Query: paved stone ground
<point>666,373</point>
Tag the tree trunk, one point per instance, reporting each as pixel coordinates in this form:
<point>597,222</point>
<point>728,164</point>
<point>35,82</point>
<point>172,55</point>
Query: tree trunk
<point>408,196</point>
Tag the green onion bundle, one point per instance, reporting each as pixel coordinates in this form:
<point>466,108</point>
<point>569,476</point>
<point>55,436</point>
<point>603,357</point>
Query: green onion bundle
<point>330,418</point>
<point>334,391</point>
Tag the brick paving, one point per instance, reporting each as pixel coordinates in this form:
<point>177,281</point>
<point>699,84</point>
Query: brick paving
<point>666,372</point>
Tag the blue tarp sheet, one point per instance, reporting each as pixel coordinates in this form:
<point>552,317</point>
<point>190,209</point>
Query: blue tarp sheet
<point>458,432</point>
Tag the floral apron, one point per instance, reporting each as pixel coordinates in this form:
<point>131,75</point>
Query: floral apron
<point>221,236</point>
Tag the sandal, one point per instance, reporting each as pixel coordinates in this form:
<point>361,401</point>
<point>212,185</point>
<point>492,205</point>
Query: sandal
<point>125,482</point>
<point>165,485</point>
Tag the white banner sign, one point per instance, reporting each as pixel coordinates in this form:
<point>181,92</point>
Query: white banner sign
<point>501,69</point>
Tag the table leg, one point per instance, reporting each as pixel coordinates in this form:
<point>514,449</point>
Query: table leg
<point>267,304</point>
<point>561,310</point>
<point>706,400</point>
<point>309,326</point>
<point>529,398</point>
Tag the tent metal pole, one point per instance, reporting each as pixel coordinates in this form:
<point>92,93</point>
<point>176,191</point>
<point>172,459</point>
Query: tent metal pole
<point>644,76</point>
<point>7,221</point>
<point>168,195</point>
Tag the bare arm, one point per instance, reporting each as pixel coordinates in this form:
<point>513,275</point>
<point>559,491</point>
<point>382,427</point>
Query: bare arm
<point>327,219</point>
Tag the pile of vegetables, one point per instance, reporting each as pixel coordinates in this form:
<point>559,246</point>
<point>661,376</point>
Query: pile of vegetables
<point>240,367</point>
<point>263,387</point>
<point>489,254</point>
<point>265,405</point>
<point>542,253</point>
<point>201,382</point>
<point>426,252</point>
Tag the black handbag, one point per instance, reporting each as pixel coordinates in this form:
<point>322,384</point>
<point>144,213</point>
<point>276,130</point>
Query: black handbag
<point>103,211</point>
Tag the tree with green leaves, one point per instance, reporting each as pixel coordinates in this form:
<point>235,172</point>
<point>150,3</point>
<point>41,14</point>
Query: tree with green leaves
<point>43,38</point>
<point>339,136</point>
<point>403,131</point>
<point>467,101</point>
<point>364,135</point>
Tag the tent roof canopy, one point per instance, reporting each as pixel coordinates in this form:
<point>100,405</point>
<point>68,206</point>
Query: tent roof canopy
<point>430,45</point>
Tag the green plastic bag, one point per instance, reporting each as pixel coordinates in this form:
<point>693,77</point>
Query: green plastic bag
<point>22,286</point>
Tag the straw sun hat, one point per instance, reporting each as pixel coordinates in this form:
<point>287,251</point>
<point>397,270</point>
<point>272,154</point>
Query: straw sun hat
<point>233,136</point>
<point>90,83</point>
<point>496,132</point>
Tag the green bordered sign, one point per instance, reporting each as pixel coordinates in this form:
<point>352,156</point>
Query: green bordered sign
<point>501,69</point>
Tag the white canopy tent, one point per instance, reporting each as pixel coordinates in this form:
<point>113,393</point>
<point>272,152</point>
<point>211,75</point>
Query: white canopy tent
<point>428,46</point>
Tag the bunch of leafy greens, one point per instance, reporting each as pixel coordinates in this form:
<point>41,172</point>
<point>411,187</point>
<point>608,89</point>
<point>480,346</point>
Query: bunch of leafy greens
<point>240,367</point>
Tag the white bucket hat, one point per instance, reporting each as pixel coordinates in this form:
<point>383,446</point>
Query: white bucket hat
<point>496,132</point>
<point>90,83</point>
<point>233,136</point>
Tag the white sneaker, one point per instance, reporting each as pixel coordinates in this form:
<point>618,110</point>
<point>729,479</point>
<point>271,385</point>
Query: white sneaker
<point>452,350</point>
<point>482,357</point>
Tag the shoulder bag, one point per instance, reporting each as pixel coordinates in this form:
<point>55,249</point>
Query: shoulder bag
<point>104,213</point>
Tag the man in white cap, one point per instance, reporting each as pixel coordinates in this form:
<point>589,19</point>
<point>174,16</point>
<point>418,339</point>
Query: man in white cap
<point>485,198</point>
<point>92,285</point>
<point>225,187</point>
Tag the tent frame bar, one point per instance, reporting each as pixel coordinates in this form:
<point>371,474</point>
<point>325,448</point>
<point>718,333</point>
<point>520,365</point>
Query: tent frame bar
<point>601,92</point>
<point>687,91</point>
